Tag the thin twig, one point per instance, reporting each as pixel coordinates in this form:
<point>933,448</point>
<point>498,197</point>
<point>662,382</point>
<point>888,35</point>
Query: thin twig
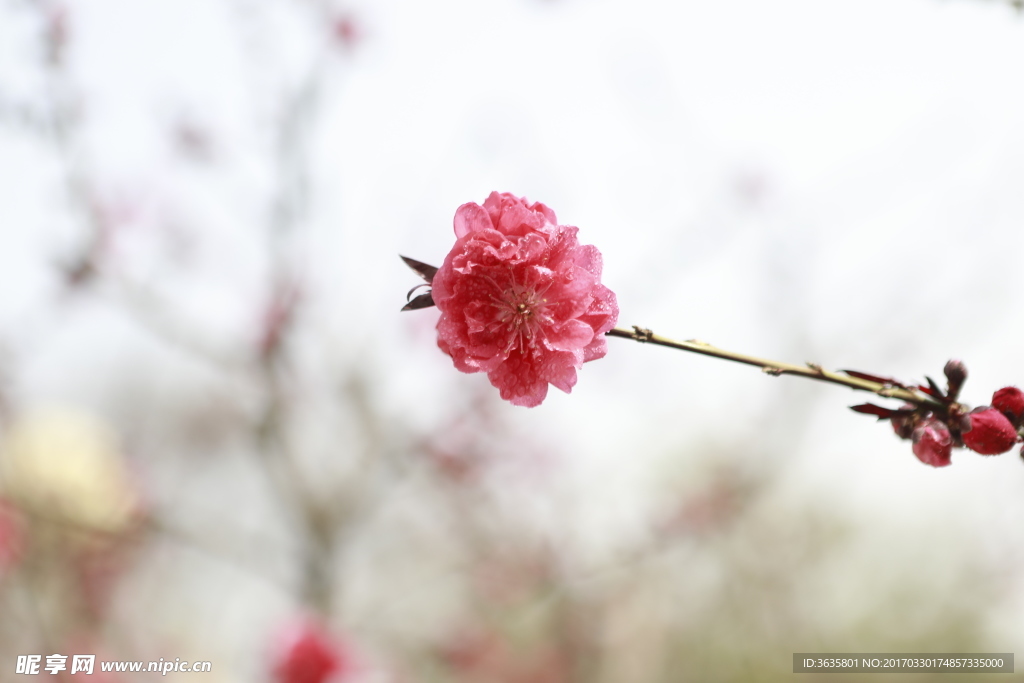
<point>776,368</point>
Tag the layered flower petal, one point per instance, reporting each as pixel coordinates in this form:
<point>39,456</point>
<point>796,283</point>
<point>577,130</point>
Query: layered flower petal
<point>470,218</point>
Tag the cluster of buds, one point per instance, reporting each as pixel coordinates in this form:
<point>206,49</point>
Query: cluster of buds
<point>940,424</point>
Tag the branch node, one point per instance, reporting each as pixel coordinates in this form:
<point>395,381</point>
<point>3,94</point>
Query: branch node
<point>642,334</point>
<point>771,370</point>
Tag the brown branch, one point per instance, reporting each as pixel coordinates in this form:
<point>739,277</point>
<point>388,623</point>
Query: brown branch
<point>776,368</point>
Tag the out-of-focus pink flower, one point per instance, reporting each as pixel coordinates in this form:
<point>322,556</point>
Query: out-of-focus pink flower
<point>933,444</point>
<point>347,31</point>
<point>278,318</point>
<point>98,568</point>
<point>12,539</point>
<point>1010,402</point>
<point>990,433</point>
<point>307,654</point>
<point>193,140</point>
<point>521,299</point>
<point>483,655</point>
<point>56,33</point>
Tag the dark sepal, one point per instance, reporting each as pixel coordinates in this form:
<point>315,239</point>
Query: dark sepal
<point>408,295</point>
<point>932,389</point>
<point>425,300</point>
<point>888,381</point>
<point>422,269</point>
<point>936,391</point>
<point>878,411</point>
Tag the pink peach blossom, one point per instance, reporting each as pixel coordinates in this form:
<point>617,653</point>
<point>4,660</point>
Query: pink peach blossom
<point>521,298</point>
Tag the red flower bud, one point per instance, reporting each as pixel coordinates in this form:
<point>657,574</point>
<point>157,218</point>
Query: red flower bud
<point>933,444</point>
<point>1010,401</point>
<point>990,433</point>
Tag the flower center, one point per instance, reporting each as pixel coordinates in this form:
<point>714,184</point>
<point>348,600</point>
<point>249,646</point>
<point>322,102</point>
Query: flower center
<point>522,314</point>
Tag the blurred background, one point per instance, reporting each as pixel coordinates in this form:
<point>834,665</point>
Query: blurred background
<point>220,441</point>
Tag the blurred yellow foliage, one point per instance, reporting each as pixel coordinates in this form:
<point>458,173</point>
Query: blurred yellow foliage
<point>67,465</point>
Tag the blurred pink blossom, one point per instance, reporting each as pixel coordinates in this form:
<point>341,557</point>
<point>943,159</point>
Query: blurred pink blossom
<point>57,33</point>
<point>482,654</point>
<point>306,653</point>
<point>12,537</point>
<point>347,31</point>
<point>521,299</point>
<point>193,140</point>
